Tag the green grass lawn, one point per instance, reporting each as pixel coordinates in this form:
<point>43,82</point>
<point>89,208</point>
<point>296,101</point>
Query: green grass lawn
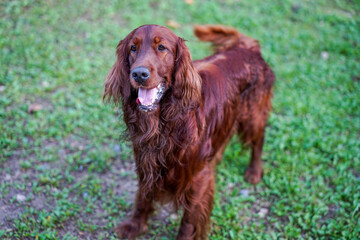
<point>66,173</point>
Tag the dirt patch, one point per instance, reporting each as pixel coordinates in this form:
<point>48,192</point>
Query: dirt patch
<point>8,212</point>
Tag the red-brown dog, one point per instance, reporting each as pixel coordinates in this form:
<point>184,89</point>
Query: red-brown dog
<point>181,114</point>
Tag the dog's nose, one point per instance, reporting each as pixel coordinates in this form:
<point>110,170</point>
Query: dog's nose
<point>140,74</point>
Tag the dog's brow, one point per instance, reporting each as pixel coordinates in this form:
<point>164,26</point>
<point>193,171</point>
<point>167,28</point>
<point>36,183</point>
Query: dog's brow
<point>136,40</point>
<point>157,39</point>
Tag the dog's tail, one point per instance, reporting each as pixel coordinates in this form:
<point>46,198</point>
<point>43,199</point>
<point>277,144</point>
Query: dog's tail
<point>224,38</point>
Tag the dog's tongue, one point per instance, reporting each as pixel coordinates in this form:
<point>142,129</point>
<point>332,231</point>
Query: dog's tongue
<point>147,96</point>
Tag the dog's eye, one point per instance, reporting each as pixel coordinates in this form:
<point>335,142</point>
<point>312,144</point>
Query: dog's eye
<point>133,48</point>
<point>161,47</point>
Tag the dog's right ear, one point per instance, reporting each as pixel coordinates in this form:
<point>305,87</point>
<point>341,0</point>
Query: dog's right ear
<point>117,84</point>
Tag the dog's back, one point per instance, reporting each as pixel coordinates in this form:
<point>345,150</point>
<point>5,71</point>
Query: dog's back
<point>240,82</point>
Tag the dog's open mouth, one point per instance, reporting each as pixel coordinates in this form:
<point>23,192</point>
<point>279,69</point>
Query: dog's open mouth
<point>148,99</point>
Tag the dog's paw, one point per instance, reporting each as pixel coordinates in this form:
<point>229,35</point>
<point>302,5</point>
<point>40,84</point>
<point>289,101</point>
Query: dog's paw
<point>253,175</point>
<point>130,229</point>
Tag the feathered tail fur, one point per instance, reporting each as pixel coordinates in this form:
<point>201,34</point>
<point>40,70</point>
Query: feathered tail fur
<point>224,38</point>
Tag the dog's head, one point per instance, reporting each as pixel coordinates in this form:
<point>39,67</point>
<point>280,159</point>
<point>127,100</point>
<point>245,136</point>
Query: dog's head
<point>150,61</point>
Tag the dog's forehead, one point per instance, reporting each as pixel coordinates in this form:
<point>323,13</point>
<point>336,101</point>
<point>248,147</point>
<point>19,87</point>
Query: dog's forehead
<point>151,33</point>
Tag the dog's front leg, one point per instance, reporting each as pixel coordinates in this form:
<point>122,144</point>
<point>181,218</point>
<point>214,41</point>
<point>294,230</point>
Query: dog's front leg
<point>197,210</point>
<point>137,224</point>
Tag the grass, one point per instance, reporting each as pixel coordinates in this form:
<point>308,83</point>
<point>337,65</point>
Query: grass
<point>65,172</point>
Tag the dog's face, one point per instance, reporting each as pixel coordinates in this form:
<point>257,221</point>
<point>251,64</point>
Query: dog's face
<point>151,60</point>
<point>151,57</point>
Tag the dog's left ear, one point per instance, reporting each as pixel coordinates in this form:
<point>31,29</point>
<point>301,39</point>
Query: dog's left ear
<point>187,82</point>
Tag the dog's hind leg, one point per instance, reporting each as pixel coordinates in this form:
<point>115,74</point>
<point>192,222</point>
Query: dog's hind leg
<point>254,171</point>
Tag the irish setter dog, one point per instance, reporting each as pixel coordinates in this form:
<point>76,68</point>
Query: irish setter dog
<point>180,114</point>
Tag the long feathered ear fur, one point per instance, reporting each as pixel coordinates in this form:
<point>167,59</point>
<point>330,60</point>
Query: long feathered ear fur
<point>117,85</point>
<point>187,82</point>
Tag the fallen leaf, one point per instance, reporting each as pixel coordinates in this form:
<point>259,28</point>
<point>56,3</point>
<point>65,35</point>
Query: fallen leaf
<point>34,107</point>
<point>245,192</point>
<point>172,23</point>
<point>20,197</point>
<point>262,213</point>
<point>7,177</point>
<point>45,84</point>
<point>189,1</point>
<point>325,55</point>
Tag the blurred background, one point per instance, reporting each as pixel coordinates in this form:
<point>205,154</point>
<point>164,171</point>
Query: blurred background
<point>66,172</point>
